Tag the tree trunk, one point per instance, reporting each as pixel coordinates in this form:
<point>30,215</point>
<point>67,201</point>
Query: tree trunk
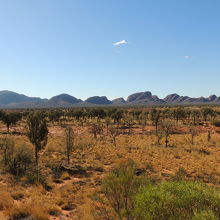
<point>194,120</point>
<point>114,140</point>
<point>5,156</point>
<point>192,140</point>
<point>68,158</point>
<point>36,155</point>
<point>167,141</point>
<point>107,129</point>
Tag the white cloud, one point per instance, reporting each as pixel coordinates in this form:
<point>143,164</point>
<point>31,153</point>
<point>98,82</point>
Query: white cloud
<point>120,43</point>
<point>186,57</point>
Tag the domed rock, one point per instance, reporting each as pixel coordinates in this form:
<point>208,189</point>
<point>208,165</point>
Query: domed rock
<point>99,100</point>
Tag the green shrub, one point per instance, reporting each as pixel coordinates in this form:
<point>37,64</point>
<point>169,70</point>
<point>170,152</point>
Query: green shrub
<point>120,186</point>
<point>176,201</point>
<point>205,215</point>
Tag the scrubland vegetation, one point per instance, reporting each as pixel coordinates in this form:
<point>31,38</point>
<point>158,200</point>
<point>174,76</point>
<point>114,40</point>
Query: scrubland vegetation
<point>110,163</point>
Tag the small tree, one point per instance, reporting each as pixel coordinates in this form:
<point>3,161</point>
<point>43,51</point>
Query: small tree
<point>113,133</point>
<point>159,135</point>
<point>155,116</point>
<point>128,122</point>
<point>143,121</point>
<point>37,131</point>
<point>69,143</point>
<point>207,112</point>
<point>178,114</point>
<point>196,114</point>
<point>167,127</point>
<point>117,116</point>
<point>10,118</point>
<point>107,123</point>
<point>95,129</point>
<point>193,133</point>
<point>54,115</point>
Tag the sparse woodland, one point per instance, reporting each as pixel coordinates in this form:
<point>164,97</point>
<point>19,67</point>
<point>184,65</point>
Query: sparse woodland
<point>110,163</point>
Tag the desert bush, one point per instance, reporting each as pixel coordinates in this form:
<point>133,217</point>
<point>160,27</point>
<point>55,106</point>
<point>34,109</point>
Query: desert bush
<point>96,129</point>
<point>113,131</point>
<point>205,215</point>
<point>19,159</point>
<point>36,177</point>
<point>53,210</point>
<point>19,213</point>
<point>6,200</point>
<point>7,147</point>
<point>149,166</point>
<point>67,206</point>
<point>65,176</point>
<point>180,174</point>
<point>176,200</point>
<point>56,170</point>
<point>120,186</point>
<point>18,195</point>
<point>28,211</point>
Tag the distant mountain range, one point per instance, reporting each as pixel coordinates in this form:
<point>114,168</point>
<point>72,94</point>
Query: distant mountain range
<point>9,99</point>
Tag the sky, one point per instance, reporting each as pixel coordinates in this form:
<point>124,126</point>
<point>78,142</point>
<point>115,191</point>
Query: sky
<point>110,47</point>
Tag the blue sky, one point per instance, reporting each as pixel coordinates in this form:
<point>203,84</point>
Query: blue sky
<point>48,47</point>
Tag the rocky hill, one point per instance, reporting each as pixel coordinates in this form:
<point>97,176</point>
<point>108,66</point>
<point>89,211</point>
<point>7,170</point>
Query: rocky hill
<point>12,99</point>
<point>9,99</point>
<point>98,100</point>
<point>64,99</point>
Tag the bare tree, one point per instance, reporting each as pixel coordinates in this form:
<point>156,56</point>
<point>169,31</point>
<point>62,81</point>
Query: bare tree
<point>69,142</point>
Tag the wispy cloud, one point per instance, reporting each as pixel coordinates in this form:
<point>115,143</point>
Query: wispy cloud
<point>187,57</point>
<point>120,43</point>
